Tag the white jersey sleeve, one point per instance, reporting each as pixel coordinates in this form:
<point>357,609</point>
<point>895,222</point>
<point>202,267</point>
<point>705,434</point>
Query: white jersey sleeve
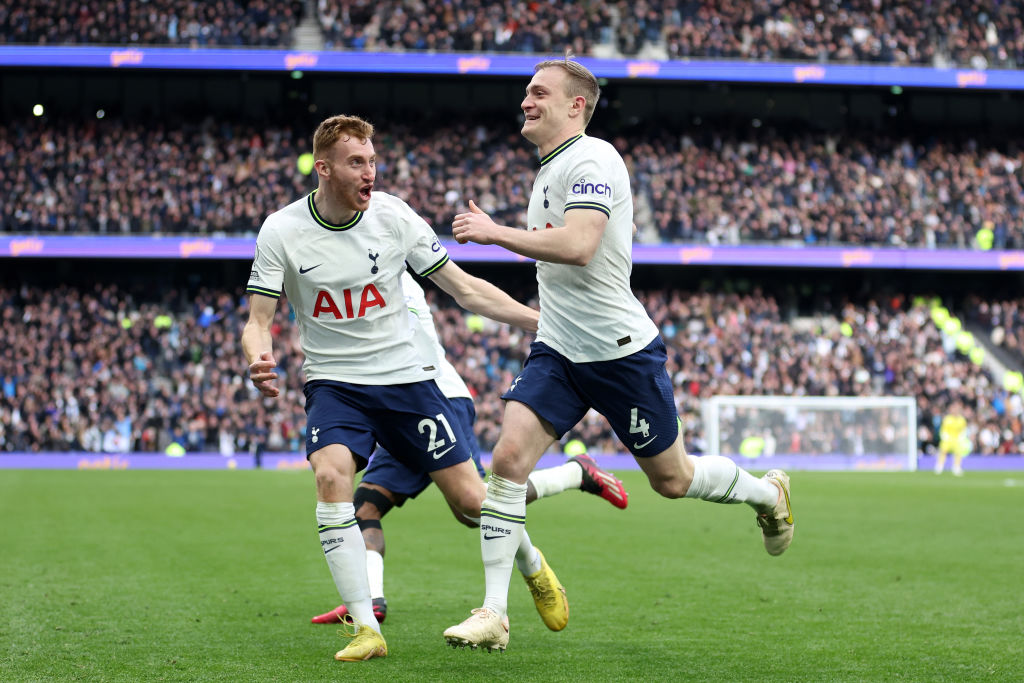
<point>268,266</point>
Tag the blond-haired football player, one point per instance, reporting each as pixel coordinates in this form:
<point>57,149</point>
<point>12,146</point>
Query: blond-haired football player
<point>596,346</point>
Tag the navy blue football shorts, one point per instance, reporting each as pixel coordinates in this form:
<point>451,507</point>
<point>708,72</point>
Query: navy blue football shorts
<point>414,422</point>
<point>385,469</point>
<point>634,394</point>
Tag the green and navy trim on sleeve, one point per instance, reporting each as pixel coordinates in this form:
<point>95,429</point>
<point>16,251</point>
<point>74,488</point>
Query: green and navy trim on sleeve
<point>252,289</point>
<point>589,205</point>
<point>503,516</point>
<point>435,267</point>
<point>558,150</point>
<point>327,224</point>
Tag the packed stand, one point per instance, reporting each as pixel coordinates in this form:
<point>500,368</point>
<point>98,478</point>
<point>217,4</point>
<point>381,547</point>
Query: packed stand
<point>707,186</point>
<point>975,34</point>
<point>224,23</point>
<point>704,186</point>
<point>829,31</point>
<point>463,25</point>
<point>199,179</point>
<point>97,369</point>
<point>1003,321</point>
<point>108,370</point>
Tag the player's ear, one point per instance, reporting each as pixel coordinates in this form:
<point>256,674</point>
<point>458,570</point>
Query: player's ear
<point>578,104</point>
<point>322,167</point>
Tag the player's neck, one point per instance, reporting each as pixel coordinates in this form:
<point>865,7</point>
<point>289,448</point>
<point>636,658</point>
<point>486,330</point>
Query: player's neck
<point>331,209</point>
<point>552,143</point>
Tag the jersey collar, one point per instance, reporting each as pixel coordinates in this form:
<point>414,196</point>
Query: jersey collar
<point>325,224</point>
<point>561,148</point>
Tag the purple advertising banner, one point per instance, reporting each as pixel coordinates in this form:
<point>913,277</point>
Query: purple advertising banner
<point>297,462</point>
<point>503,65</point>
<point>243,248</point>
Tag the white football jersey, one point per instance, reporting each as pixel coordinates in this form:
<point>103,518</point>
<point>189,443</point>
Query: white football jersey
<point>429,342</point>
<point>589,313</point>
<point>344,285</point>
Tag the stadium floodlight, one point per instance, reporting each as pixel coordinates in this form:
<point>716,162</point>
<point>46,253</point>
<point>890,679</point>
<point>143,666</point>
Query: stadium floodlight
<point>814,432</point>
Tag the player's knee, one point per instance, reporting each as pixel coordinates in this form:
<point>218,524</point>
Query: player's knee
<point>469,501</point>
<point>465,521</point>
<point>509,459</point>
<point>330,479</point>
<point>670,487</point>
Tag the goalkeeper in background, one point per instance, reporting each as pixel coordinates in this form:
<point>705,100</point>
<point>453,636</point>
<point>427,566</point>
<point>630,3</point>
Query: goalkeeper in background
<point>953,438</point>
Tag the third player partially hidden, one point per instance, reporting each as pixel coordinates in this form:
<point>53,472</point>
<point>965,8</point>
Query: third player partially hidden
<point>596,347</point>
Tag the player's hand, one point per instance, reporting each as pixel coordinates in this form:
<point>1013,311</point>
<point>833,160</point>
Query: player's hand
<point>262,374</point>
<point>475,226</point>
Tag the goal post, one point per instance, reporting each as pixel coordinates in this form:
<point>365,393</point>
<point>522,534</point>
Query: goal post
<point>814,432</point>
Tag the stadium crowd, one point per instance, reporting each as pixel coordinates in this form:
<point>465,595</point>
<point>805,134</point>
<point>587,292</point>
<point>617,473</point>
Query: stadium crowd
<point>224,23</point>
<point>105,369</point>
<point>705,186</point>
<point>940,33</point>
<point>466,25</point>
<point>1003,322</point>
<point>977,33</point>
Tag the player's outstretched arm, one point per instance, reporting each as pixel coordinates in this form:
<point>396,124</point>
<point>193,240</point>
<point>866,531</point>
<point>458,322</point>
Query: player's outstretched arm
<point>480,296</point>
<point>257,344</point>
<point>572,244</point>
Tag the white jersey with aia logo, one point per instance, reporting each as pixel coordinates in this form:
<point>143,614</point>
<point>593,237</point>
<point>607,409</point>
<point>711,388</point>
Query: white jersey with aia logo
<point>589,313</point>
<point>344,284</point>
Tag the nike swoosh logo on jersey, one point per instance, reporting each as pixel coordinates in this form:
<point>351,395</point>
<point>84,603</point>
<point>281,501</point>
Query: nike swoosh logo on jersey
<point>303,271</point>
<point>638,446</point>
<point>491,538</point>
<point>437,456</point>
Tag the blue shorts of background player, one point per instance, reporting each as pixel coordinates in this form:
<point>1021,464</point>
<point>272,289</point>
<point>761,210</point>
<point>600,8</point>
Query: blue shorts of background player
<point>634,394</point>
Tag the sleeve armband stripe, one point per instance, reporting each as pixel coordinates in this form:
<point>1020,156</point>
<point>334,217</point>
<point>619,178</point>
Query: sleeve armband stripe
<point>265,292</point>
<point>588,205</point>
<point>434,267</point>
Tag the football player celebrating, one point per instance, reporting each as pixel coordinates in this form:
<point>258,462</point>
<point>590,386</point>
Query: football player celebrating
<point>340,257</point>
<point>596,346</point>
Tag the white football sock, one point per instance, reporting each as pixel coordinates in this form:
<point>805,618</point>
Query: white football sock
<point>527,557</point>
<point>502,517</point>
<point>375,573</point>
<point>552,480</point>
<point>345,551</point>
<point>719,480</point>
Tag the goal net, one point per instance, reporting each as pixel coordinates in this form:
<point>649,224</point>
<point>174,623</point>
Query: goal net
<point>814,432</point>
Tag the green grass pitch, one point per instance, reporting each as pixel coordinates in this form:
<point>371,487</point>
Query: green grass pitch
<point>189,576</point>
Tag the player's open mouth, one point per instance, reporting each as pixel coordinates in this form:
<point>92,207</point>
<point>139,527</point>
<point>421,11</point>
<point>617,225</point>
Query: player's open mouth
<point>364,192</point>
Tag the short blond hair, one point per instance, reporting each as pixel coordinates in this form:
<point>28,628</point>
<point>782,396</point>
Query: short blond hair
<point>336,127</point>
<point>579,82</point>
